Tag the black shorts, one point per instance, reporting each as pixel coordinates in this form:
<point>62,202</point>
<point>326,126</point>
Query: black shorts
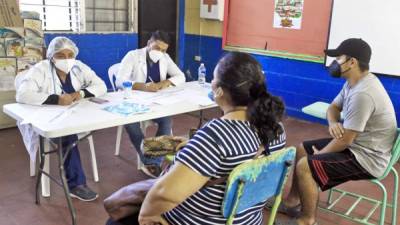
<point>332,169</point>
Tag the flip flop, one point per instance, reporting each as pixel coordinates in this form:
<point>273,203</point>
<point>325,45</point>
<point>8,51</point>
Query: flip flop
<point>293,212</point>
<point>288,222</point>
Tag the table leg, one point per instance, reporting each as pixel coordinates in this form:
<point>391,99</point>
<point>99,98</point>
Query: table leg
<point>46,168</point>
<point>64,180</point>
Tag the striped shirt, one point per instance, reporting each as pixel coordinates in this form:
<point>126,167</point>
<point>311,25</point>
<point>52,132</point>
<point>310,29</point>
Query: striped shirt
<point>214,151</point>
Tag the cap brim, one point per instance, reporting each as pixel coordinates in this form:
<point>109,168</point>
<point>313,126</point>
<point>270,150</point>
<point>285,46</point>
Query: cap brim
<point>332,52</point>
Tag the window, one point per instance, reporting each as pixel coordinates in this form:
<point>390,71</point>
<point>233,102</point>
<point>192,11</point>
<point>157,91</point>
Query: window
<point>56,15</point>
<point>82,15</point>
<point>107,15</point>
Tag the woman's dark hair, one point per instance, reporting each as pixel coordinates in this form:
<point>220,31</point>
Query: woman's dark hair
<point>242,77</point>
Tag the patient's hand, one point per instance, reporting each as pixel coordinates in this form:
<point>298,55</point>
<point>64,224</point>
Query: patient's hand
<point>183,141</point>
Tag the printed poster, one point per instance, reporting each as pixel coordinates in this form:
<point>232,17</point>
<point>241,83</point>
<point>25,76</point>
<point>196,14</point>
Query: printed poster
<point>288,14</point>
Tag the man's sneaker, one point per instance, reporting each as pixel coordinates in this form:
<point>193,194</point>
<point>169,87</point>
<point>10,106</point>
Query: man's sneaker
<point>83,193</point>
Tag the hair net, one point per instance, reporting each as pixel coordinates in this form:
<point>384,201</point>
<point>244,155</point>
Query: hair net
<point>61,43</point>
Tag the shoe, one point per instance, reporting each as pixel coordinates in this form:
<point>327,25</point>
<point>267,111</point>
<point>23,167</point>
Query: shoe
<point>293,212</point>
<point>83,193</point>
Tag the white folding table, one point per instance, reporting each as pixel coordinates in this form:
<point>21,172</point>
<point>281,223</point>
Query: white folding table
<point>88,116</point>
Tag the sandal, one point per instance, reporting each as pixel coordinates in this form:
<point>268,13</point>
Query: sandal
<point>293,212</point>
<point>152,170</point>
<point>288,222</point>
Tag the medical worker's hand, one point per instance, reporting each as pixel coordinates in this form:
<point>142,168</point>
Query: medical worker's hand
<point>152,87</point>
<point>76,96</point>
<point>65,99</point>
<point>164,84</point>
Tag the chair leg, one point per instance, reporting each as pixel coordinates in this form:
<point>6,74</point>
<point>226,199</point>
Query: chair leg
<point>93,158</point>
<point>118,140</point>
<point>32,168</point>
<point>383,203</point>
<point>330,196</point>
<point>274,210</point>
<point>395,194</point>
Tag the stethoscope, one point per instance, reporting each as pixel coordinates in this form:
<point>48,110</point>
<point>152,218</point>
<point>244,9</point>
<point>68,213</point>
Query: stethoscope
<point>53,72</point>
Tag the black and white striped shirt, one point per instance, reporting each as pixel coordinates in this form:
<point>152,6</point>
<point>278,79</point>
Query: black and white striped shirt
<point>214,151</point>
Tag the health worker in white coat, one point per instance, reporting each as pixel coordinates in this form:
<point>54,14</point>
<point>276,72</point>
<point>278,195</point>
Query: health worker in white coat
<point>62,80</point>
<point>150,69</point>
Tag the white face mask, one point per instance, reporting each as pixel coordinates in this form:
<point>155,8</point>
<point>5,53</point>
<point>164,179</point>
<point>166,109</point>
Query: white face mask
<point>64,65</point>
<point>155,55</point>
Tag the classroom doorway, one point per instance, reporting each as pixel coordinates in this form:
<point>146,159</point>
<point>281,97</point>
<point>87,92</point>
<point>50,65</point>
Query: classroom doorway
<point>158,15</point>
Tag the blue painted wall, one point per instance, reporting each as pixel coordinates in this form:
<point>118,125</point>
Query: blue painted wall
<point>299,83</point>
<point>100,51</point>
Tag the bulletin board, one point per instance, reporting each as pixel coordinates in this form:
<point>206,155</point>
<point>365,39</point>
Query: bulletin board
<point>296,29</point>
<point>376,22</point>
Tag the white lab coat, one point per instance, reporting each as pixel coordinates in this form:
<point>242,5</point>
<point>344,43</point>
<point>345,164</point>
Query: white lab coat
<point>134,68</point>
<point>41,81</point>
<point>38,83</point>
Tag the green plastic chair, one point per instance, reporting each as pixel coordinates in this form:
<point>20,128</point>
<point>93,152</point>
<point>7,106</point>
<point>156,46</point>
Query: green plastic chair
<point>256,181</point>
<point>376,203</point>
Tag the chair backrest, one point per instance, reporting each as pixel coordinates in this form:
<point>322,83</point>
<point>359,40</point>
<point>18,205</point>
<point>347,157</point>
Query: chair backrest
<point>257,180</point>
<point>395,155</point>
<point>112,74</point>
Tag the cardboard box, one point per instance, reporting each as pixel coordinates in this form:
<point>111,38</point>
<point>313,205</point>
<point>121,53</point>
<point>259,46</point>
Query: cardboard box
<point>2,47</point>
<point>14,47</point>
<point>12,32</point>
<point>8,66</point>
<point>9,14</point>
<point>33,28</point>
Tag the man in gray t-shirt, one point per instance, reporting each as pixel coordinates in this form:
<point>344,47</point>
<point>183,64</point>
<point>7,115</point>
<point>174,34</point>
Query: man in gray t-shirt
<point>361,143</point>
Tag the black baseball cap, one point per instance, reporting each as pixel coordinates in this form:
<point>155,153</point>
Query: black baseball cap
<point>353,47</point>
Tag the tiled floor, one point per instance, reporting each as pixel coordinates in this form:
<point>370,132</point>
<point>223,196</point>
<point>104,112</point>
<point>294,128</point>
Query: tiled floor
<point>17,205</point>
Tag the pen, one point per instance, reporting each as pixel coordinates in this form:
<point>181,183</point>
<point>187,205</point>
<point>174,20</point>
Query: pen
<point>61,113</point>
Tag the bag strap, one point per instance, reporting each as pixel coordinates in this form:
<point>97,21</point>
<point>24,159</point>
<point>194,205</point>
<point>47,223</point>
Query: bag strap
<point>221,180</point>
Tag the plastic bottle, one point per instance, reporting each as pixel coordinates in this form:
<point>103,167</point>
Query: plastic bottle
<point>127,89</point>
<point>202,74</point>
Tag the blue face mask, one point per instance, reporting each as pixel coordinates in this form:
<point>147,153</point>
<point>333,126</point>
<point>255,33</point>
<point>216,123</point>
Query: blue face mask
<point>211,96</point>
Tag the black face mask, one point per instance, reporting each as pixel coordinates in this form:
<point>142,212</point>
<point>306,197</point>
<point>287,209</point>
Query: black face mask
<point>335,70</point>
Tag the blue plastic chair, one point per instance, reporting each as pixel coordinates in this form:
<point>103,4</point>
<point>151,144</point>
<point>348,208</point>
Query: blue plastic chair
<point>256,181</point>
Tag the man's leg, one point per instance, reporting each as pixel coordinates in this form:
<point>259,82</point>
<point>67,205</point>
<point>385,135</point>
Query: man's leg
<point>136,136</point>
<point>293,198</point>
<point>164,126</point>
<point>74,172</point>
<point>73,166</point>
<point>308,191</point>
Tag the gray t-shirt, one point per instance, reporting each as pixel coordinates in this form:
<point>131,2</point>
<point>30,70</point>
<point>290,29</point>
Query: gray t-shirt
<point>367,109</point>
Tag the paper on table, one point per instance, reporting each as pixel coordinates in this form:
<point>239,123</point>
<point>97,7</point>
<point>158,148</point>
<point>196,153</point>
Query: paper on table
<point>126,108</point>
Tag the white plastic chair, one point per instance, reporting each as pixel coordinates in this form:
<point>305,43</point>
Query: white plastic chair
<point>32,165</point>
<point>92,157</point>
<point>112,73</point>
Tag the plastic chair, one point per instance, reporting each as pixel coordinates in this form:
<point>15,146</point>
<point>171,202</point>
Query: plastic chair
<point>112,74</point>
<point>376,203</point>
<point>255,181</point>
<point>32,166</point>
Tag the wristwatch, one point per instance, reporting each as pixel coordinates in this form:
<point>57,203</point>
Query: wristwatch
<point>82,93</point>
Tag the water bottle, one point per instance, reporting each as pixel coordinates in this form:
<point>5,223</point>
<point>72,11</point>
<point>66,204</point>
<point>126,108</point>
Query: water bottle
<point>127,89</point>
<point>202,75</point>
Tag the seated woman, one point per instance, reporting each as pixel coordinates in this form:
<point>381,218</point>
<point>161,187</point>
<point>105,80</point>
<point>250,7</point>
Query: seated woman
<point>251,118</point>
<point>61,80</point>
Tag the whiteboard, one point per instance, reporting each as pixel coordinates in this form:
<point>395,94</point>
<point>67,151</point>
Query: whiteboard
<point>375,21</point>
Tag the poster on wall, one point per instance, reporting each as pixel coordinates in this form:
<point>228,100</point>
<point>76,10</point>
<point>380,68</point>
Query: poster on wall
<point>212,9</point>
<point>288,14</point>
